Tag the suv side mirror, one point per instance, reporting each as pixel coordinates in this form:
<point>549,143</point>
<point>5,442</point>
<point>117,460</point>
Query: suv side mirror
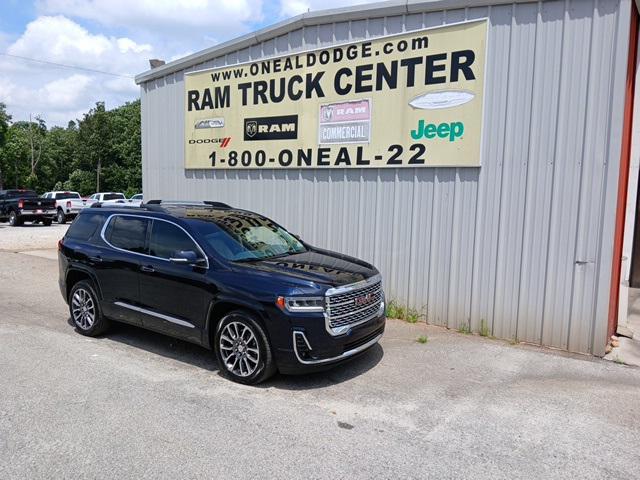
<point>187,257</point>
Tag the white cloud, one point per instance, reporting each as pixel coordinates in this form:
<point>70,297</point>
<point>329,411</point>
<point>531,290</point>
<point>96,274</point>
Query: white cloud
<point>178,20</point>
<point>57,93</point>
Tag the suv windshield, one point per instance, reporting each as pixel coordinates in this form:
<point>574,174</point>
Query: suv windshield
<point>243,236</point>
<point>113,196</point>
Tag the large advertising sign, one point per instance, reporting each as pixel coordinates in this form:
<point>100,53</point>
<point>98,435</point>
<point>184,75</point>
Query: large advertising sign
<point>409,100</point>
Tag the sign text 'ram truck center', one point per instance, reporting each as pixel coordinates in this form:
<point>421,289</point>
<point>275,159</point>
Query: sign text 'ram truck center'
<point>409,100</point>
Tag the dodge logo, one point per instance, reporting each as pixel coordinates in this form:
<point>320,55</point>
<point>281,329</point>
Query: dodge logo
<point>252,128</point>
<point>363,300</point>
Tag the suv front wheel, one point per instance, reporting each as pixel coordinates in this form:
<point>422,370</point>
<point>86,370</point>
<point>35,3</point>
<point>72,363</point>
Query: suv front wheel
<point>243,350</point>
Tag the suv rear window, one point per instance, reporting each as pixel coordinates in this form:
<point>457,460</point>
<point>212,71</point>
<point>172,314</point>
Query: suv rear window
<point>128,233</point>
<point>85,226</point>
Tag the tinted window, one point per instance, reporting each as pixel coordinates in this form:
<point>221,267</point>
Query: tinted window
<point>128,233</point>
<point>167,239</point>
<point>85,226</point>
<point>241,235</point>
<point>113,196</point>
<point>65,195</point>
<point>21,194</point>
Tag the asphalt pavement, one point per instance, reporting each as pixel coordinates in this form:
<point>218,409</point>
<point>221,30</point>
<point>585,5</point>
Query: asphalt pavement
<point>135,404</point>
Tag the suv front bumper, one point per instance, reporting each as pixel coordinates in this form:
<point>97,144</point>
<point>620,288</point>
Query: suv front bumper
<point>311,348</point>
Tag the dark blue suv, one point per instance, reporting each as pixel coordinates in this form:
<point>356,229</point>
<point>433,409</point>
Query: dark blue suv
<point>228,279</point>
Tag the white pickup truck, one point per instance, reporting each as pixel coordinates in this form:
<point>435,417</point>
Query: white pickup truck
<point>106,198</point>
<point>68,204</point>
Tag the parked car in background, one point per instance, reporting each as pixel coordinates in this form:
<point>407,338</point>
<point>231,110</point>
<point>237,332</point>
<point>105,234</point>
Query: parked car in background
<point>228,279</point>
<point>68,204</point>
<point>111,197</point>
<point>18,206</point>
<point>136,199</point>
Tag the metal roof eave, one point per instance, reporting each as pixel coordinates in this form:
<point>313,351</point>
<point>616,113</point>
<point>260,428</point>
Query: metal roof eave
<point>359,12</point>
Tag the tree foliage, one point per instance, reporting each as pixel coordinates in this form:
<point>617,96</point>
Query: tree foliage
<point>100,152</point>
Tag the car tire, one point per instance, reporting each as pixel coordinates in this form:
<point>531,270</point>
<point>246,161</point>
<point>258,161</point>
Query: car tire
<point>47,222</point>
<point>14,220</point>
<point>85,310</point>
<point>61,218</point>
<point>243,350</point>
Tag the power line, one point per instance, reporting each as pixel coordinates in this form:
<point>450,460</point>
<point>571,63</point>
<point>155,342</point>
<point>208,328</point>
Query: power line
<point>62,65</point>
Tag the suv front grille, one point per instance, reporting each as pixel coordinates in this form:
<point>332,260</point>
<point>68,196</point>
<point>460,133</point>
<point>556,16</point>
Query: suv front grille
<point>354,306</point>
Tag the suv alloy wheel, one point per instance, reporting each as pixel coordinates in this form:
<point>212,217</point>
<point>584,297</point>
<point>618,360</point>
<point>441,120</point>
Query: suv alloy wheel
<point>60,218</point>
<point>242,349</point>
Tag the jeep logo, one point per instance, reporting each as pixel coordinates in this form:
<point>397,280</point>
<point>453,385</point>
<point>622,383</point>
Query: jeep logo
<point>284,127</point>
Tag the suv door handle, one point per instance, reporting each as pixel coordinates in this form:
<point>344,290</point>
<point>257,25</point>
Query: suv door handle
<point>147,268</point>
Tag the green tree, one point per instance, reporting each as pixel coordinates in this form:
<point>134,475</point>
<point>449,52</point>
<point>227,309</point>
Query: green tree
<point>5,121</point>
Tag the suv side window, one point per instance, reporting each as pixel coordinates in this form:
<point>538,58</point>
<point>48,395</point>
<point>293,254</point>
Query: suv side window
<point>128,233</point>
<point>166,239</point>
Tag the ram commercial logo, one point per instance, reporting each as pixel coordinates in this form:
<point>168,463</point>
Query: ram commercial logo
<point>283,127</point>
<point>223,141</point>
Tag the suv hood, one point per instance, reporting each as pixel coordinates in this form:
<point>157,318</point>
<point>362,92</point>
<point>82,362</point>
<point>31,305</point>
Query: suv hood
<point>320,266</point>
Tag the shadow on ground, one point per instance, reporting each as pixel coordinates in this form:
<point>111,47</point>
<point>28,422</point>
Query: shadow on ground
<point>201,357</point>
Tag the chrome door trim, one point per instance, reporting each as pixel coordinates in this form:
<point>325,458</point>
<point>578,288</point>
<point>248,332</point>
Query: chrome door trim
<point>151,313</point>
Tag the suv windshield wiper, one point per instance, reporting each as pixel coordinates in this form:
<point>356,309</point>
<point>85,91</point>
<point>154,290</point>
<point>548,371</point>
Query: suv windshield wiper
<point>255,259</point>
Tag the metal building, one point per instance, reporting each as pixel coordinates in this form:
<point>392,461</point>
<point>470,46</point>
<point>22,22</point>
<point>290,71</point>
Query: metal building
<point>529,243</point>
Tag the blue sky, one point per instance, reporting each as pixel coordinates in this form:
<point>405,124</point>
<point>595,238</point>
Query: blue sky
<point>114,36</point>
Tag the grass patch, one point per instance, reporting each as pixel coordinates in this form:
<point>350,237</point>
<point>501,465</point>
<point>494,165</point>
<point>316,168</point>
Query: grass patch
<point>619,361</point>
<point>464,328</point>
<point>395,310</point>
<point>484,328</point>
<point>422,339</point>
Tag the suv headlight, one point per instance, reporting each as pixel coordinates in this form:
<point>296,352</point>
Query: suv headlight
<point>301,304</point>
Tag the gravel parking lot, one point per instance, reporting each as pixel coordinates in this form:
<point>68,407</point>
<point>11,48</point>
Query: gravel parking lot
<point>135,404</point>
<point>30,237</point>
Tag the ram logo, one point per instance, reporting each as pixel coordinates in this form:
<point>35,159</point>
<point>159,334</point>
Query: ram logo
<point>282,127</point>
<point>251,128</point>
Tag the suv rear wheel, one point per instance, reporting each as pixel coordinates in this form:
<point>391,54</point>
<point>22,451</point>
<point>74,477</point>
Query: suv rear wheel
<point>85,310</point>
<point>243,350</point>
<point>60,217</point>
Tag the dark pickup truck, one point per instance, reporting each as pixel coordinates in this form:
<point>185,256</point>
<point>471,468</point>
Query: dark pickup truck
<point>18,206</point>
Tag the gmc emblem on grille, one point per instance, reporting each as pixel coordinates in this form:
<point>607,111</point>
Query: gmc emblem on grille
<point>363,300</point>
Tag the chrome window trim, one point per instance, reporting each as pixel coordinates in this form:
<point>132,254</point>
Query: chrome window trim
<point>151,313</point>
<point>106,224</point>
<point>347,354</point>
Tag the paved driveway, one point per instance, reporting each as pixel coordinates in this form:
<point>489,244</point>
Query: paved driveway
<point>135,404</point>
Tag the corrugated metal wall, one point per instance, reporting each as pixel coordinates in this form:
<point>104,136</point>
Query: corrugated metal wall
<point>523,243</point>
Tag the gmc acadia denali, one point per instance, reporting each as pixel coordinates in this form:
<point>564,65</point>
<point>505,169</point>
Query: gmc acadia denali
<point>228,279</point>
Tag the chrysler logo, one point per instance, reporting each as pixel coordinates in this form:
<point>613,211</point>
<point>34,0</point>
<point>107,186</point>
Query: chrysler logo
<point>252,128</point>
<point>363,300</point>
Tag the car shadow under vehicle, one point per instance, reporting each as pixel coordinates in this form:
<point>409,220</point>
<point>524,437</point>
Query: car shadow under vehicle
<point>201,357</point>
